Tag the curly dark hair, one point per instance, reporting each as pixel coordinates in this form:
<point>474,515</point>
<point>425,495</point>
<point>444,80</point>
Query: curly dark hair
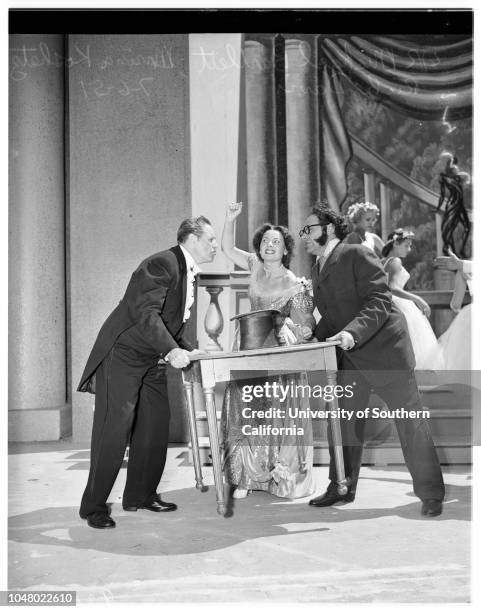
<point>326,215</point>
<point>288,241</point>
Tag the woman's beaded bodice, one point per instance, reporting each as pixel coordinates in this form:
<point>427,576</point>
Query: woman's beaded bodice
<point>297,297</point>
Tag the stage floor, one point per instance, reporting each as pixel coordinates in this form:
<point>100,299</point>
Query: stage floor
<point>377,549</point>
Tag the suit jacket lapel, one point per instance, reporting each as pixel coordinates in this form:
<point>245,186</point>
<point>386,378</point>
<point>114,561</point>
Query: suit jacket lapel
<point>331,261</point>
<point>183,273</point>
<point>315,275</point>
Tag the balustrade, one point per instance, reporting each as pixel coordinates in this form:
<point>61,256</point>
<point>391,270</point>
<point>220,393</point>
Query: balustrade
<point>213,319</point>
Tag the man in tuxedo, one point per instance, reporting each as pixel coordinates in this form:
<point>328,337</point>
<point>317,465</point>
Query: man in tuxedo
<point>130,386</point>
<point>353,298</point>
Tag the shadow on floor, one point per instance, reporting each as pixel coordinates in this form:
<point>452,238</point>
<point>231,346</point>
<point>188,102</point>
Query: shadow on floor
<point>197,528</point>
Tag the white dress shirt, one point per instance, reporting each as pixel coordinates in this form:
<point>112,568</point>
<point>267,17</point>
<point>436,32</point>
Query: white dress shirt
<point>192,270</point>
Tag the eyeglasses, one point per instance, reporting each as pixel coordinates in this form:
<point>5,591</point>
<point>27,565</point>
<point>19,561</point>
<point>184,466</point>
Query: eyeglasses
<point>307,229</point>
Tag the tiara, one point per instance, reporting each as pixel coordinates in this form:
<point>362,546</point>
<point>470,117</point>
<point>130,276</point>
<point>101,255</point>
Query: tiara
<point>402,234</point>
<point>364,206</point>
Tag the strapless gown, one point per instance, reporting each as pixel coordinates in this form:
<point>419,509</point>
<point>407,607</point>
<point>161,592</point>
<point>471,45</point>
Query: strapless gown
<point>427,351</point>
<point>278,464</point>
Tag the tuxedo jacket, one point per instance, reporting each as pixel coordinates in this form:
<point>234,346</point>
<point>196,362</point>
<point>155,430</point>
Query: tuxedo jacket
<point>351,293</point>
<point>154,302</point>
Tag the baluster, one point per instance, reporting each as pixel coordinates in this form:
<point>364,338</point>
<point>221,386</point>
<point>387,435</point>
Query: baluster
<point>214,321</point>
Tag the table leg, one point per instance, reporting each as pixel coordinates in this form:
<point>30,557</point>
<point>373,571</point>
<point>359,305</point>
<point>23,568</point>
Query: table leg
<point>189,397</point>
<point>342,482</point>
<point>295,379</point>
<point>215,449</point>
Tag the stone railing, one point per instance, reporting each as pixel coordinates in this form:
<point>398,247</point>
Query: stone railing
<point>222,296</point>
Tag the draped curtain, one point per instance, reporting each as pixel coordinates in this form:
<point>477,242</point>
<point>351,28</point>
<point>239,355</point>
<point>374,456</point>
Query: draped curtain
<point>425,81</point>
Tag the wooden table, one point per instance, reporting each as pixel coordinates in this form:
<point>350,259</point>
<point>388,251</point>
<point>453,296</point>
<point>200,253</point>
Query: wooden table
<point>212,368</point>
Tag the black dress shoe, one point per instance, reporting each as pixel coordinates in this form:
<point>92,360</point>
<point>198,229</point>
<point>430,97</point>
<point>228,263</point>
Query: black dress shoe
<point>431,507</point>
<point>331,497</point>
<point>156,505</point>
<point>100,520</point>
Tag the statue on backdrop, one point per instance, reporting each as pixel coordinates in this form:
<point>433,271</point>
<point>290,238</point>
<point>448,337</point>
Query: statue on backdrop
<point>452,182</point>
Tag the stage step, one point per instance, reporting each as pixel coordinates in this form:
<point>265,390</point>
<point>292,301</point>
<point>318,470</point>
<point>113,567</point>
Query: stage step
<point>450,423</point>
<point>450,452</point>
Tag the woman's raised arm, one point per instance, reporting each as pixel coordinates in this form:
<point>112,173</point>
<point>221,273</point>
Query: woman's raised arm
<point>238,256</point>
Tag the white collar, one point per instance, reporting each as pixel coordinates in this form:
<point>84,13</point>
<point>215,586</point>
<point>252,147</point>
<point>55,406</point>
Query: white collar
<point>189,261</point>
<point>329,248</point>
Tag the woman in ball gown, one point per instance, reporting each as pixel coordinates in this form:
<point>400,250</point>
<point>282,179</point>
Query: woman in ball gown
<point>455,343</point>
<point>416,310</point>
<point>363,218</point>
<point>278,464</point>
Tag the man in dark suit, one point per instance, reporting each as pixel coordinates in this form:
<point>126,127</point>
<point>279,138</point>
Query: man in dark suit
<point>123,370</point>
<point>353,298</point>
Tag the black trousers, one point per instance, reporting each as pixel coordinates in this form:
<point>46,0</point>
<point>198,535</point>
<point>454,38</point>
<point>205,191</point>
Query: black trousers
<point>414,434</point>
<point>131,406</point>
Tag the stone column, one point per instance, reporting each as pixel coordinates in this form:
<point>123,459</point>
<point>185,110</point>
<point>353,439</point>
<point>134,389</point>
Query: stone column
<point>217,152</point>
<point>259,62</point>
<point>302,137</point>
<point>214,114</point>
<point>37,350</point>
<point>385,210</point>
<point>369,187</point>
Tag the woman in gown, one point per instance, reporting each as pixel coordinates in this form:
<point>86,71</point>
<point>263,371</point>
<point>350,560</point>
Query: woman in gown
<point>279,464</point>
<point>416,310</point>
<point>363,218</point>
<point>455,343</point>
